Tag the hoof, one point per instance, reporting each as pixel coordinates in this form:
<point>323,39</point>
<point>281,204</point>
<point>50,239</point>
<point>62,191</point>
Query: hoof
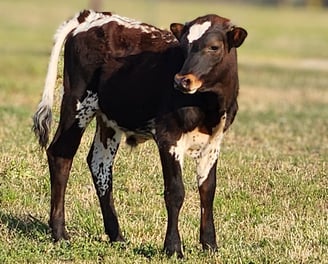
<point>170,251</point>
<point>210,247</point>
<point>119,239</point>
<point>60,233</point>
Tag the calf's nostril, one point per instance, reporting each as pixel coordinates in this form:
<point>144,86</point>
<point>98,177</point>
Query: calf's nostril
<point>185,82</point>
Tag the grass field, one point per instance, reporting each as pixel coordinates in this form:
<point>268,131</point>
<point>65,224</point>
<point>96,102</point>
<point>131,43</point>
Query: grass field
<point>271,204</point>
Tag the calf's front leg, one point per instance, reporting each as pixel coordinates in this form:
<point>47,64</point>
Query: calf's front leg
<point>174,195</point>
<point>206,175</point>
<point>207,192</point>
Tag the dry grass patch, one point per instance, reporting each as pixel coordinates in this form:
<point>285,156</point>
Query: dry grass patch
<point>261,99</point>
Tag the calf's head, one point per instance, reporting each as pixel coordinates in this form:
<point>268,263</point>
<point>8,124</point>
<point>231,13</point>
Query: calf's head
<point>207,41</point>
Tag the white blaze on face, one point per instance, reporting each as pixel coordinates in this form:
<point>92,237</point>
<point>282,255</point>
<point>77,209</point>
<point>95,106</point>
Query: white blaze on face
<point>197,30</point>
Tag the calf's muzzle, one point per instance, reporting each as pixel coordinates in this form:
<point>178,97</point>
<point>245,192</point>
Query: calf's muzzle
<point>187,83</point>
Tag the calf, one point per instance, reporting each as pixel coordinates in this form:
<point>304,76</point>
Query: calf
<point>179,89</point>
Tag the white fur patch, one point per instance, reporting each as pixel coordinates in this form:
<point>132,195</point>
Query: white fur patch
<point>203,148</point>
<point>103,159</point>
<point>86,109</point>
<point>50,82</point>
<point>207,158</point>
<point>178,151</point>
<point>98,19</point>
<point>197,30</point>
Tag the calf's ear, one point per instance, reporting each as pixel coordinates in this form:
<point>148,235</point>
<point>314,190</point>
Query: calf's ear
<point>236,37</point>
<point>177,30</point>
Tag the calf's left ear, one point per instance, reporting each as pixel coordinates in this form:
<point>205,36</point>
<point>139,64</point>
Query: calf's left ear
<point>177,30</point>
<point>236,37</point>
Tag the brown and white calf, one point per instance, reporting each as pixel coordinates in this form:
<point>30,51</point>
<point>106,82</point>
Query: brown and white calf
<point>179,89</point>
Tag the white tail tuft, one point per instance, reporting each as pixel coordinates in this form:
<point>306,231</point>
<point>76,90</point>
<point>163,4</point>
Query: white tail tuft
<point>43,116</point>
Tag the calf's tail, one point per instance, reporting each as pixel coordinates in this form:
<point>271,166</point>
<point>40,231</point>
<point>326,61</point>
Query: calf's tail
<point>43,116</point>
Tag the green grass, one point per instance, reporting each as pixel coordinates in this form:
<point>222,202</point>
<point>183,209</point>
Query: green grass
<point>271,200</point>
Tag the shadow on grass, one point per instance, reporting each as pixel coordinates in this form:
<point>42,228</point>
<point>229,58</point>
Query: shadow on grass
<point>148,251</point>
<point>26,225</point>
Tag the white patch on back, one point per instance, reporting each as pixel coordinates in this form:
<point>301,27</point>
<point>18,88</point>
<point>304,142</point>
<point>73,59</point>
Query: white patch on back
<point>87,109</point>
<point>197,30</point>
<point>203,148</point>
<point>98,19</point>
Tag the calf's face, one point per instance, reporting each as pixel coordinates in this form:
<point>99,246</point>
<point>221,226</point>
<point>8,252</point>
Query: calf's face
<point>205,41</point>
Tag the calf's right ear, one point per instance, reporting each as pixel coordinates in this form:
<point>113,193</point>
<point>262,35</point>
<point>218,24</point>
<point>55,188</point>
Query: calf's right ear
<point>177,30</point>
<point>236,37</point>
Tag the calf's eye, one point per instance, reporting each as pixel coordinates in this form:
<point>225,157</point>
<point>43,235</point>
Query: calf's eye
<point>214,48</point>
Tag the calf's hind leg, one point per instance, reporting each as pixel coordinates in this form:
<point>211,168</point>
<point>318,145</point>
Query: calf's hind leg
<point>60,156</point>
<point>100,160</point>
